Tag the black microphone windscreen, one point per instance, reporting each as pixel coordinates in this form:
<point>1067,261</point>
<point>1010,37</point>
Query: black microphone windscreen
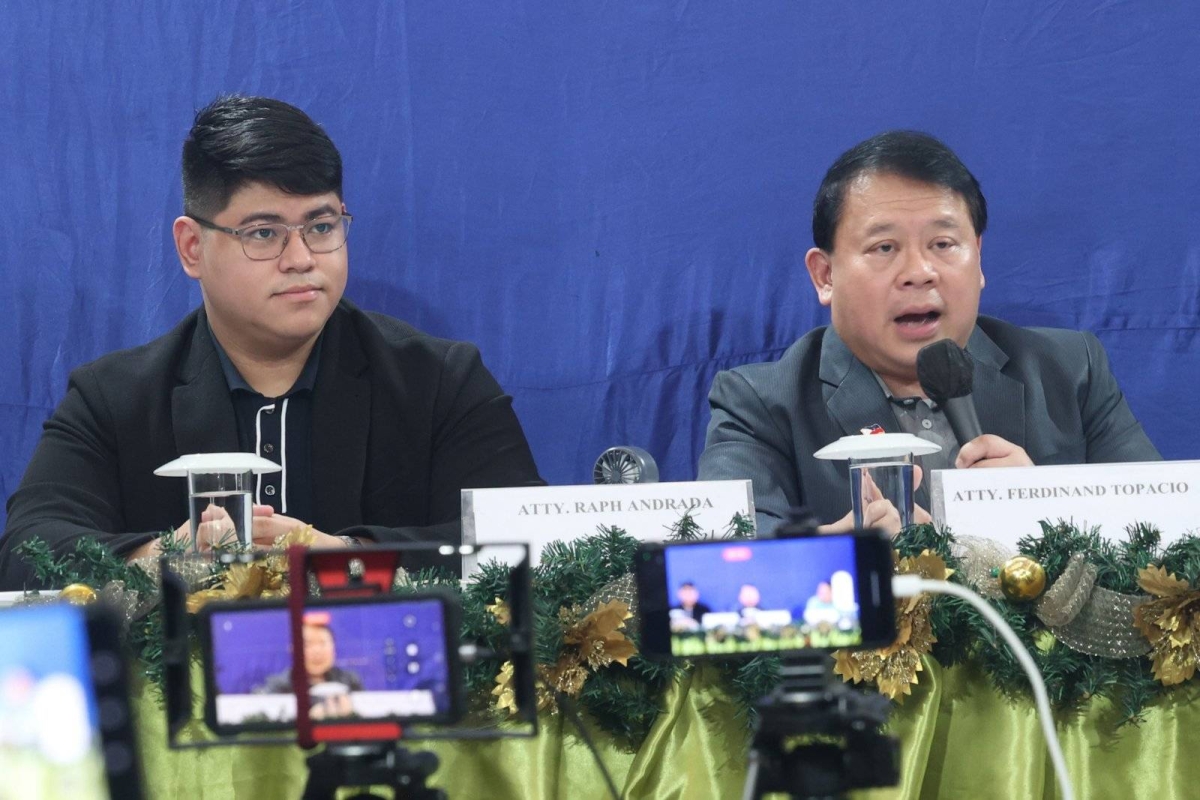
<point>945,370</point>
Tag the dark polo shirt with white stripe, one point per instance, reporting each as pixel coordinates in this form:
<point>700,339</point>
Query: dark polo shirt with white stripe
<point>278,429</point>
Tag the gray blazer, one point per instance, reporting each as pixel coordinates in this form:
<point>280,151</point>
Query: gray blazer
<point>1048,390</point>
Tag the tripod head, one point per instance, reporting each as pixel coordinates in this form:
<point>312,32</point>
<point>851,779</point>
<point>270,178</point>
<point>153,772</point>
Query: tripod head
<point>373,764</point>
<point>818,738</point>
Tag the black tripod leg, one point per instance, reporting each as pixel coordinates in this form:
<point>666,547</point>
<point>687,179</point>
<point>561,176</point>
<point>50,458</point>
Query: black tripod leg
<point>324,777</point>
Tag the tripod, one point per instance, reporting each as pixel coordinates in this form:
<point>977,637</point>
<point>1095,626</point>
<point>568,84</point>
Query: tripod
<point>810,705</point>
<point>375,764</point>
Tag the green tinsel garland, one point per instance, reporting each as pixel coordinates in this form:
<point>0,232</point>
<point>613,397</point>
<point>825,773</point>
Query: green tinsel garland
<point>625,701</point>
<point>1072,678</point>
<point>93,564</point>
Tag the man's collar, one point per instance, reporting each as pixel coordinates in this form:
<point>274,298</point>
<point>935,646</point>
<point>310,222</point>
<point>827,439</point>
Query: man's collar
<point>306,380</point>
<point>853,399</point>
<point>837,360</point>
<point>984,350</point>
<point>905,402</point>
<point>851,394</point>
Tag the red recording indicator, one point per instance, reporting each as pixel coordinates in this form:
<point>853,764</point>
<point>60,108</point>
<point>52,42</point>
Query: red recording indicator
<point>737,554</point>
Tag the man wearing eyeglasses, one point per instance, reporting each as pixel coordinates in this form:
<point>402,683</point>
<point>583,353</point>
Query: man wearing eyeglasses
<point>376,425</point>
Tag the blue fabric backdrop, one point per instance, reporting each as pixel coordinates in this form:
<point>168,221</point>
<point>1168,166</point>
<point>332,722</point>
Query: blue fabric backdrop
<point>611,199</point>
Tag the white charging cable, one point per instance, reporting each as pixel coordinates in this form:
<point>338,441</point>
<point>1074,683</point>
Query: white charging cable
<point>913,585</point>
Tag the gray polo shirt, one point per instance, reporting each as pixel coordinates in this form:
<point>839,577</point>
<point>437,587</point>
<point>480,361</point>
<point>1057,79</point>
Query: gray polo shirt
<point>921,417</point>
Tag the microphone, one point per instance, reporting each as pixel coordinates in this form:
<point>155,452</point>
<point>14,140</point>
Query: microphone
<point>947,375</point>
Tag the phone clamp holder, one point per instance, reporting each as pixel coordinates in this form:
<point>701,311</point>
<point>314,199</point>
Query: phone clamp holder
<point>403,771</point>
<point>840,748</point>
<point>355,752</point>
<point>368,753</point>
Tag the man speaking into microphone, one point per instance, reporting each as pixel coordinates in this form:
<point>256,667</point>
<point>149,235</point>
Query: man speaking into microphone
<point>898,226</point>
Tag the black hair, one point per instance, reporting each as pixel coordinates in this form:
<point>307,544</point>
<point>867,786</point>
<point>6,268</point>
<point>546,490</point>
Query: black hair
<point>687,583</point>
<point>239,140</point>
<point>909,154</point>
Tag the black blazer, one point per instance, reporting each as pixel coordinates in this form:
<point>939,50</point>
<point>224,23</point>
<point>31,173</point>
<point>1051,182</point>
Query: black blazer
<point>1050,391</point>
<point>401,422</point>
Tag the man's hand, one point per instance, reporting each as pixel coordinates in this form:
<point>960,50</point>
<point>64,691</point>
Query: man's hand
<point>990,450</point>
<point>215,524</point>
<point>216,527</point>
<point>879,512</point>
<point>332,707</point>
<point>269,526</point>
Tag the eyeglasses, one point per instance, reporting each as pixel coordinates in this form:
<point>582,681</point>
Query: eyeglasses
<point>267,241</point>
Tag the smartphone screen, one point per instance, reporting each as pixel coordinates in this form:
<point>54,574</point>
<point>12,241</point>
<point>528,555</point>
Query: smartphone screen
<point>52,735</point>
<point>735,597</point>
<point>373,659</point>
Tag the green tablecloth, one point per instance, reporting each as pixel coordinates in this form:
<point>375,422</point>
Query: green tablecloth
<point>959,739</point>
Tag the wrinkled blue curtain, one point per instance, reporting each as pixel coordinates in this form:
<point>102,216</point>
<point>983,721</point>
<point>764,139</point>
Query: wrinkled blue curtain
<point>610,199</point>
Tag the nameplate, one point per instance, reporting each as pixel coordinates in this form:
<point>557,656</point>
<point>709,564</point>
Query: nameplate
<point>542,514</point>
<point>12,598</point>
<point>1007,504</point>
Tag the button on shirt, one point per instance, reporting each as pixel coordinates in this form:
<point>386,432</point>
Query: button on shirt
<point>923,418</point>
<point>278,429</point>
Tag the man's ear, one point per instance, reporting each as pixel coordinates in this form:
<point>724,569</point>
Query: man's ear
<point>979,250</point>
<point>820,270</point>
<point>187,244</point>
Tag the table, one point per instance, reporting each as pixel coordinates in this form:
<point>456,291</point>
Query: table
<point>959,739</point>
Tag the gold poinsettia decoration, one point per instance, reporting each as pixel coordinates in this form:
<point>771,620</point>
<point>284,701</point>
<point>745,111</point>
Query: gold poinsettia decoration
<point>894,668</point>
<point>505,692</point>
<point>598,636</point>
<point>258,579</point>
<point>591,642</point>
<point>499,610</point>
<point>1171,623</point>
<point>567,676</point>
<point>277,561</point>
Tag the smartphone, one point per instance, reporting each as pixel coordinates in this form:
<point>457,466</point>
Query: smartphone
<point>66,727</point>
<point>748,596</point>
<point>374,658</point>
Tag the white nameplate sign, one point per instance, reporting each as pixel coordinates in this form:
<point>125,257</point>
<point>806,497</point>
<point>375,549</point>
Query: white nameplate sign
<point>1007,504</point>
<point>542,514</point>
<point>12,598</point>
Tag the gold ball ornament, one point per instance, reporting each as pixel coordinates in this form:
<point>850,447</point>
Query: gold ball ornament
<point>1022,579</point>
<point>78,594</point>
